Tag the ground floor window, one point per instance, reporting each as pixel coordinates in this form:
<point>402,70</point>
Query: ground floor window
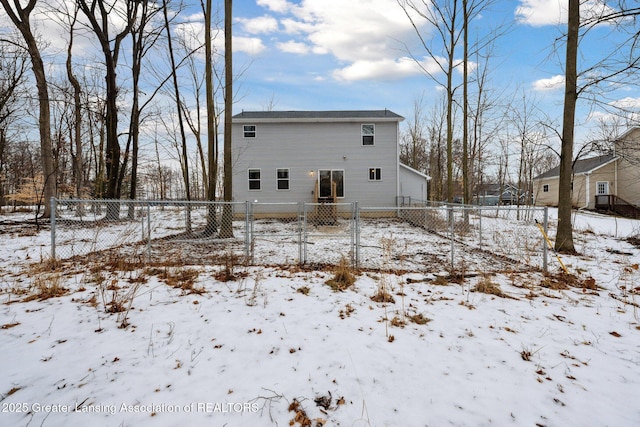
<point>254,179</point>
<point>375,174</point>
<point>331,183</point>
<point>282,179</point>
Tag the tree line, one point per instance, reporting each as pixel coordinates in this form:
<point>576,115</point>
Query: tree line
<point>474,125</point>
<point>100,120</point>
<point>92,113</point>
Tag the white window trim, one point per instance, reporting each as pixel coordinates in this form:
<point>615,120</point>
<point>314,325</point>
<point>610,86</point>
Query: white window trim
<point>288,179</point>
<point>374,169</point>
<point>344,185</point>
<point>249,180</point>
<point>362,134</point>
<point>254,131</point>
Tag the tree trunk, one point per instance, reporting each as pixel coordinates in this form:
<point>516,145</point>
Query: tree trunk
<point>564,237</point>
<point>212,129</point>
<point>20,18</point>
<point>176,89</point>
<point>226,228</point>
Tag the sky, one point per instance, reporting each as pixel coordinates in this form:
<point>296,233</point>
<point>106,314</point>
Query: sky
<point>365,54</point>
<point>331,54</point>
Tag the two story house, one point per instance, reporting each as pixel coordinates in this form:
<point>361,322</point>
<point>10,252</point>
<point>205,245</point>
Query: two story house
<point>321,156</point>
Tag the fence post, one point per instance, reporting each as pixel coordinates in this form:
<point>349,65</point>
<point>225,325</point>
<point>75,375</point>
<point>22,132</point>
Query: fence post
<point>545,251</point>
<point>451,221</point>
<point>248,231</point>
<point>53,228</point>
<point>148,230</point>
<point>480,224</point>
<point>299,226</point>
<point>355,235</point>
<point>304,233</point>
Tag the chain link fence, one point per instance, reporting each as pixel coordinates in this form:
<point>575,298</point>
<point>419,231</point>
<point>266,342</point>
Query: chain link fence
<point>446,237</point>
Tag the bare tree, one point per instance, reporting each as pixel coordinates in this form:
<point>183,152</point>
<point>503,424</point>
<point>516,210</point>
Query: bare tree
<point>20,17</point>
<point>618,65</point>
<point>176,88</point>
<point>98,14</point>
<point>444,16</point>
<point>13,63</point>
<point>413,146</point>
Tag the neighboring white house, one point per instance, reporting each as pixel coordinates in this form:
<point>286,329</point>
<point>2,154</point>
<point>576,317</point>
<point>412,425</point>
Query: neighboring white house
<point>310,156</point>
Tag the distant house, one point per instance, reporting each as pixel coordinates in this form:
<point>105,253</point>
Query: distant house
<point>322,156</point>
<point>610,181</point>
<point>496,194</point>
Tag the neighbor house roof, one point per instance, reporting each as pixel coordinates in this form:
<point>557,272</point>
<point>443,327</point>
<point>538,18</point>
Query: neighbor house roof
<point>581,166</point>
<point>378,115</point>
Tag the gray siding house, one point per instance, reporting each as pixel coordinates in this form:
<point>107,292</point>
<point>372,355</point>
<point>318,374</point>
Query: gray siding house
<point>321,156</point>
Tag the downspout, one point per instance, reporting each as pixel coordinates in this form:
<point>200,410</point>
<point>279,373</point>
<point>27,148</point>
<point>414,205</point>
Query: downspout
<point>587,179</point>
<point>397,163</point>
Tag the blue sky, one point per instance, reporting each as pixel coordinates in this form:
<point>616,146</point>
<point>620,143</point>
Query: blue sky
<point>336,54</point>
<point>355,54</point>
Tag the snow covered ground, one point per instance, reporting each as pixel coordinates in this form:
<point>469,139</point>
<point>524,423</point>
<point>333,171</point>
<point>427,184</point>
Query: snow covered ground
<point>132,345</point>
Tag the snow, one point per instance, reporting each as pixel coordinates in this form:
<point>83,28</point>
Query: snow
<point>244,352</point>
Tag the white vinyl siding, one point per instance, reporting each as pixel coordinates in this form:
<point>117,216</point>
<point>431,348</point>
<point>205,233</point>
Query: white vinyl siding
<point>308,147</point>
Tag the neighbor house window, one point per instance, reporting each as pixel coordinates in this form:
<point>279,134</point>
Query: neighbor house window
<point>375,174</point>
<point>368,133</point>
<point>602,188</point>
<point>254,179</point>
<point>545,188</point>
<point>249,131</point>
<point>282,179</point>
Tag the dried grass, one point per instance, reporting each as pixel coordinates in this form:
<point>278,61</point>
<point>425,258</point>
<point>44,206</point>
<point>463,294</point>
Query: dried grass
<point>343,277</point>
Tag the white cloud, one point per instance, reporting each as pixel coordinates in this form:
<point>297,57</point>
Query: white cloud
<point>538,13</point>
<point>552,83</point>
<point>362,33</point>
<point>628,103</point>
<point>259,25</point>
<point>354,30</point>
<point>541,12</point>
<point>293,46</point>
<point>280,6</point>
<point>386,69</point>
<point>249,45</point>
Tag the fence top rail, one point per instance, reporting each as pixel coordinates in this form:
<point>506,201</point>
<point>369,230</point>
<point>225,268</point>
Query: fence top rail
<point>146,202</point>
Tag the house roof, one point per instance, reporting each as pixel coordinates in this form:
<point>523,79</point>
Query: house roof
<point>318,116</point>
<point>581,166</point>
<point>416,172</point>
<point>494,189</point>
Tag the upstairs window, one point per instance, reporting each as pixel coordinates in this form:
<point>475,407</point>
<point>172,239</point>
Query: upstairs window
<point>254,179</point>
<point>282,179</point>
<point>375,174</point>
<point>368,133</point>
<point>249,131</point>
<point>545,188</point>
